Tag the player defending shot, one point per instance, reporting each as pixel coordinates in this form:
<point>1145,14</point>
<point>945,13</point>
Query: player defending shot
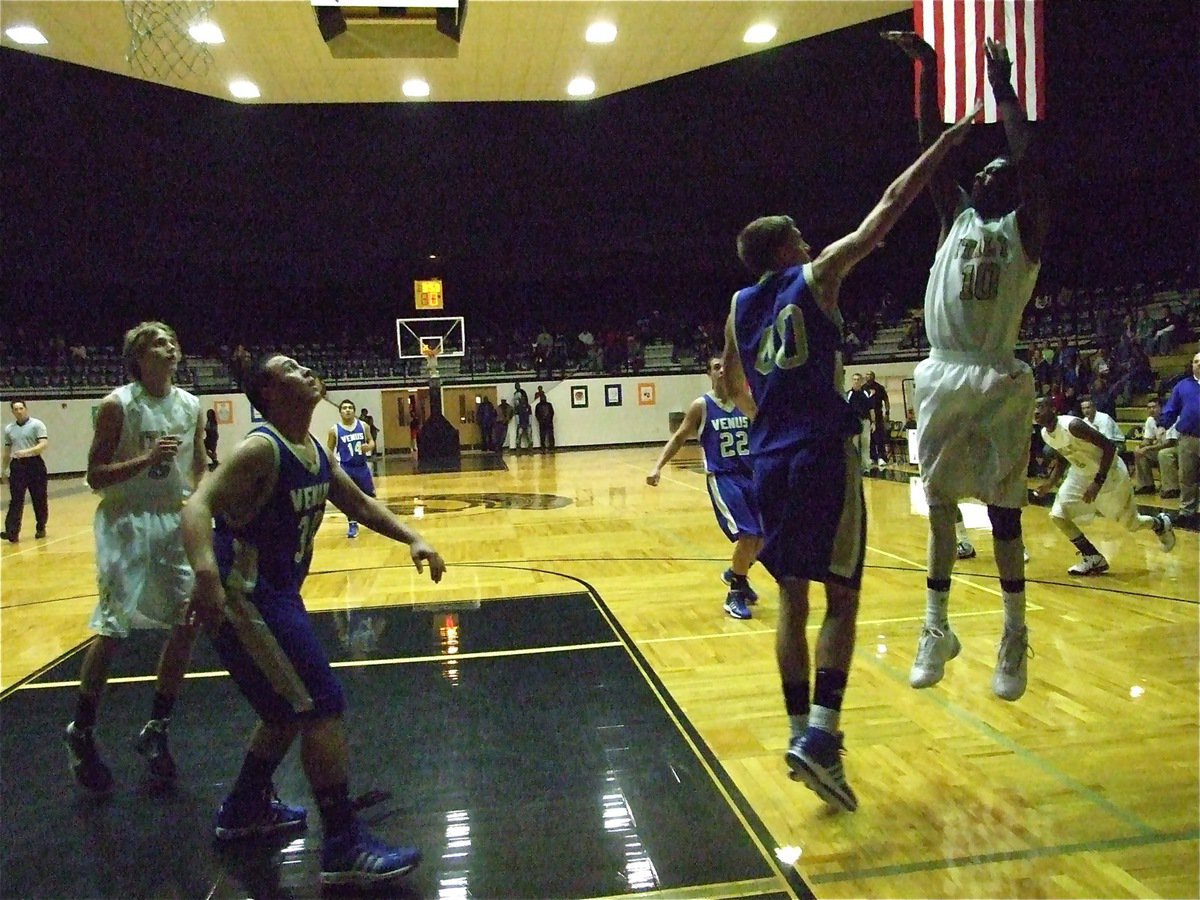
<point>974,398</point>
<point>267,500</point>
<point>722,429</point>
<point>350,442</point>
<point>784,334</point>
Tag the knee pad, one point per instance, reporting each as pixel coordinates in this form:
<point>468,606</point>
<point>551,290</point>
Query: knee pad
<point>1006,522</point>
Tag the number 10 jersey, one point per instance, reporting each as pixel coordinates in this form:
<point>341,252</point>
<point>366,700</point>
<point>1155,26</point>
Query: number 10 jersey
<point>978,286</point>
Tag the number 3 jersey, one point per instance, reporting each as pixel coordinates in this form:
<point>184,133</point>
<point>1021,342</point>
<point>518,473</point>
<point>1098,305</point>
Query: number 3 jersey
<point>270,553</point>
<point>790,349</point>
<point>978,286</point>
<point>724,438</point>
<point>144,419</point>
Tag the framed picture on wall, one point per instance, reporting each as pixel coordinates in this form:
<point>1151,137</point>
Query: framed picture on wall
<point>255,415</point>
<point>579,396</point>
<point>646,393</point>
<point>224,411</point>
<point>612,395</point>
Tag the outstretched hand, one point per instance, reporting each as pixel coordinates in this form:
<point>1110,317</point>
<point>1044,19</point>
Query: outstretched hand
<point>957,133</point>
<point>915,46</point>
<point>999,66</point>
<point>422,553</point>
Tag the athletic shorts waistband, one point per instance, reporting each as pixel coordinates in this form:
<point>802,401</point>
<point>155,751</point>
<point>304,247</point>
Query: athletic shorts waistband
<point>972,357</point>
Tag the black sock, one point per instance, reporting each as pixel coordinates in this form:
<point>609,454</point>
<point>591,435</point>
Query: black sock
<point>831,686</point>
<point>337,812</point>
<point>162,706</point>
<point>85,711</point>
<point>737,582</point>
<point>255,776</point>
<point>795,698</point>
<point>1084,546</point>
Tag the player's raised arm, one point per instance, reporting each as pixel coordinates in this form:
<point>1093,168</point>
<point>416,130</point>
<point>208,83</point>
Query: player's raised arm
<point>1033,213</point>
<point>836,260</point>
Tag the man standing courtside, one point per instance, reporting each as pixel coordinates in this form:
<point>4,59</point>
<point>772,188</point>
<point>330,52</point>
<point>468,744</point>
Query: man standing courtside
<point>25,440</point>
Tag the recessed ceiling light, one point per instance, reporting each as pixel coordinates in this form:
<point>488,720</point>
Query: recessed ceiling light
<point>581,87</point>
<point>759,34</point>
<point>601,33</point>
<point>206,33</point>
<point>244,90</point>
<point>415,87</point>
<point>26,34</point>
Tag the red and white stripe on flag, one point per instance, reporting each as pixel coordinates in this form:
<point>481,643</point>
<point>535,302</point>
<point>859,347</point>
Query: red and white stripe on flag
<point>956,29</point>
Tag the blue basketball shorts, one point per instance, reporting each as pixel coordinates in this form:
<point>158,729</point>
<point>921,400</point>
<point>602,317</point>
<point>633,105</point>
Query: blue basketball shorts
<point>732,497</point>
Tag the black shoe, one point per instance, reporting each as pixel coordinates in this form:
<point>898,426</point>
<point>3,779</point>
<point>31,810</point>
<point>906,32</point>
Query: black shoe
<point>152,744</point>
<point>40,533</point>
<point>1165,495</point>
<point>11,538</point>
<point>1145,490</point>
<point>87,767</point>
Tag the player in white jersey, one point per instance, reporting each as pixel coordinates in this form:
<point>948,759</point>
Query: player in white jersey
<point>1096,482</point>
<point>973,397</point>
<point>147,456</point>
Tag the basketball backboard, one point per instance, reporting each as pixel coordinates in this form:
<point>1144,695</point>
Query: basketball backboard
<point>447,333</point>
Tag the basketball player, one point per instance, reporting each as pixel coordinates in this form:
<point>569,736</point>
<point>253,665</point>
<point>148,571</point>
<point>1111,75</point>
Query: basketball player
<point>785,333</point>
<point>147,456</point>
<point>267,499</point>
<point>722,430</point>
<point>351,443</point>
<point>1096,481</point>
<point>974,397</point>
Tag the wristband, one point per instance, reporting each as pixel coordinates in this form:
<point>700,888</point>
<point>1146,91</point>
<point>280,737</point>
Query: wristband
<point>1100,479</point>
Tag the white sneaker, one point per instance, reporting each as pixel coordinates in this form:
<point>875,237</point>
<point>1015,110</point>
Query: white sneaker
<point>1026,552</point>
<point>966,550</point>
<point>934,649</point>
<point>1092,564</point>
<point>1012,665</point>
<point>1166,537</point>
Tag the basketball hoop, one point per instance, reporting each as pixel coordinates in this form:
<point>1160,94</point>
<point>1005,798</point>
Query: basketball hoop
<point>430,352</point>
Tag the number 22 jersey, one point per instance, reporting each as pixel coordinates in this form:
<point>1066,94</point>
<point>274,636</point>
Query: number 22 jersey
<point>724,438</point>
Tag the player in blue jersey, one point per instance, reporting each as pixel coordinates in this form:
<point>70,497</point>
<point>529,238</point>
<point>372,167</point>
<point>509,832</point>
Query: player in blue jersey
<point>782,357</point>
<point>268,498</point>
<point>722,429</point>
<point>351,443</point>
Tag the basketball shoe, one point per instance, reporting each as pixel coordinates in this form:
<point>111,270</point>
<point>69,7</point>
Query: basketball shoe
<point>751,594</point>
<point>735,605</point>
<point>815,758</point>
<point>935,648</point>
<point>258,815</point>
<point>152,745</point>
<point>357,858</point>
<point>87,768</point>
<point>1012,665</point>
<point>1092,564</point>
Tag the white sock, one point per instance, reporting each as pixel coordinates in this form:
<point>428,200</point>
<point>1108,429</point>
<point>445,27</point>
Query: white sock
<point>937,609</point>
<point>1014,610</point>
<point>824,718</point>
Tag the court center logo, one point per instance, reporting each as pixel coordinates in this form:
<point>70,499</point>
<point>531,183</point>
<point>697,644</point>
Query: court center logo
<point>432,504</point>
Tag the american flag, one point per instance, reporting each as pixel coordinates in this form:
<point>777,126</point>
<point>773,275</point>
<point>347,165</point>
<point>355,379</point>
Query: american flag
<point>956,30</point>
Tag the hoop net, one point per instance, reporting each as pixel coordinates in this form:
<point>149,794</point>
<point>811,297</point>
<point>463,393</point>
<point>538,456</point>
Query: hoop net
<point>431,353</point>
<point>159,43</point>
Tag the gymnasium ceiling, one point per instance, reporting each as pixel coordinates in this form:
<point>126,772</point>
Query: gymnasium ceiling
<point>509,49</point>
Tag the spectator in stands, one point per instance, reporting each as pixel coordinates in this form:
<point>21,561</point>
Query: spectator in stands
<point>543,348</point>
<point>1168,464</point>
<point>485,418</point>
<point>1043,370</point>
<point>544,413</point>
<point>1102,422</point>
<point>1146,453</point>
<point>1143,329</point>
<point>1182,409</point>
<point>1174,332</point>
<point>1104,396</point>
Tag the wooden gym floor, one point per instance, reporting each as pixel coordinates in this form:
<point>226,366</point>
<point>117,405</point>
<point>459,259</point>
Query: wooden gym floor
<point>602,598</point>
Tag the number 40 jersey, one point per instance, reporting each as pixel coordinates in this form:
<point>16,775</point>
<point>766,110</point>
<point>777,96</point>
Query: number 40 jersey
<point>724,438</point>
<point>978,286</point>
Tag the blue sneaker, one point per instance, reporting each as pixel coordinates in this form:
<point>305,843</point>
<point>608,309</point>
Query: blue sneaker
<point>353,531</point>
<point>735,605</point>
<point>259,816</point>
<point>357,858</point>
<point>749,592</point>
<point>816,760</point>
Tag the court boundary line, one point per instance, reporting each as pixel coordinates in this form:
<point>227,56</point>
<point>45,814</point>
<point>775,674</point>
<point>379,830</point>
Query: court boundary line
<point>1053,850</point>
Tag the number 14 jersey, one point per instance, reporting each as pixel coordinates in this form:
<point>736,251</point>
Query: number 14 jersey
<point>978,286</point>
